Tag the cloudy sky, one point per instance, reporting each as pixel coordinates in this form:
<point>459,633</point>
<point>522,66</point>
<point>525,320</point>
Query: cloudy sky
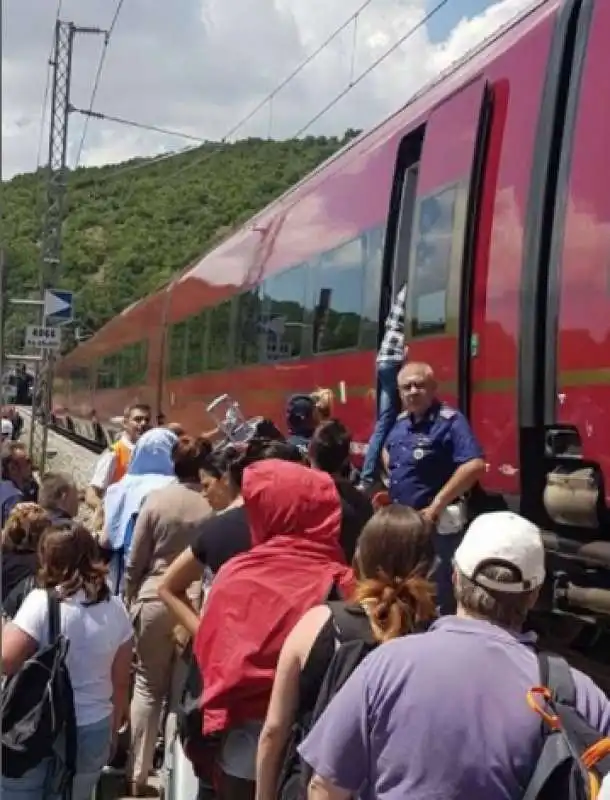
<point>198,66</point>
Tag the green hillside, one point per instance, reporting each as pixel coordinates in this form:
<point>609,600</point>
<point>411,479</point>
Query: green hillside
<point>126,234</point>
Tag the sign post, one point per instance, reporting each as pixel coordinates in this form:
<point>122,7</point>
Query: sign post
<point>56,308</point>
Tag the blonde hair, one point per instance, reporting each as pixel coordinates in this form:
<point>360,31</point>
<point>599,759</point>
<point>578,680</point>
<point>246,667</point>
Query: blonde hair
<point>394,560</point>
<point>323,402</point>
<point>24,527</point>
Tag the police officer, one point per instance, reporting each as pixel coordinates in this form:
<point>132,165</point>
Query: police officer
<point>432,458</point>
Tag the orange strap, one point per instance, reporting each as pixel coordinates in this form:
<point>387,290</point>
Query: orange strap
<point>123,457</point>
<point>591,756</point>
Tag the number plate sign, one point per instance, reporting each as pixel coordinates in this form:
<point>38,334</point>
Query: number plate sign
<point>43,338</point>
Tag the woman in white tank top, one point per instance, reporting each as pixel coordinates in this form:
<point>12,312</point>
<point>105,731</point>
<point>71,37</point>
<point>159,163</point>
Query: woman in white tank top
<point>99,657</point>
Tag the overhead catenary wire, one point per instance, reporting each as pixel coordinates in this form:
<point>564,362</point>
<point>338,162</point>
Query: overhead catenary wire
<point>253,111</point>
<point>132,124</point>
<point>340,95</point>
<point>96,81</point>
<point>353,83</point>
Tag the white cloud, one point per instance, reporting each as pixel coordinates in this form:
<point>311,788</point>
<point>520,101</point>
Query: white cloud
<point>200,65</point>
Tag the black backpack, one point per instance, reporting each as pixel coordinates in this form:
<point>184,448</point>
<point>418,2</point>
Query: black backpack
<point>575,757</point>
<point>38,706</point>
<point>353,642</point>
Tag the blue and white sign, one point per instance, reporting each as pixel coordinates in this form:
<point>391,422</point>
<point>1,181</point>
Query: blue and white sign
<point>58,307</point>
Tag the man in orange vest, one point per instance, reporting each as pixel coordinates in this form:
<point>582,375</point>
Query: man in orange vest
<point>113,463</point>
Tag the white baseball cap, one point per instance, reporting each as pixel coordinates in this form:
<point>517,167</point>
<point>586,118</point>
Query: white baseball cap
<point>502,538</point>
<point>6,427</point>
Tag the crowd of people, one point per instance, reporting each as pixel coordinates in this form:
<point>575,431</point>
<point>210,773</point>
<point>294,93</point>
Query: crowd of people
<point>347,636</point>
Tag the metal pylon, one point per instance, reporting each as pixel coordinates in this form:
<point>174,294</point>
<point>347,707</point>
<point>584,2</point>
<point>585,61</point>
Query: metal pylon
<point>53,219</point>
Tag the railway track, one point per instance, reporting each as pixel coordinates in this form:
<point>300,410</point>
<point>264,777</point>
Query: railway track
<point>93,447</point>
<point>87,444</point>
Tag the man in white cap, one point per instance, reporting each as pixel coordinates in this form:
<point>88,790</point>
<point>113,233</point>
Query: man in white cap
<point>462,686</point>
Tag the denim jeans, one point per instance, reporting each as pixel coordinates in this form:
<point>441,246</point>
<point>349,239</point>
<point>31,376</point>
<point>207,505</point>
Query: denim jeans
<point>388,407</point>
<point>93,743</point>
<point>445,546</point>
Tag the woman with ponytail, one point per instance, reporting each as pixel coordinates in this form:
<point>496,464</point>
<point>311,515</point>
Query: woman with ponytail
<point>393,597</point>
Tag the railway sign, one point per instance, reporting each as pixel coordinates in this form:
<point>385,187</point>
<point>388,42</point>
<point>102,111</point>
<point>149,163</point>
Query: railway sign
<point>58,306</point>
<point>44,338</point>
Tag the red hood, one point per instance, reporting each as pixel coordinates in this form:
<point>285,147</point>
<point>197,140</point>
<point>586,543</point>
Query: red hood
<point>259,596</point>
<point>287,499</point>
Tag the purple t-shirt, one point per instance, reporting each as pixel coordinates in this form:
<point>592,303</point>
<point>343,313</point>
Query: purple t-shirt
<point>441,714</point>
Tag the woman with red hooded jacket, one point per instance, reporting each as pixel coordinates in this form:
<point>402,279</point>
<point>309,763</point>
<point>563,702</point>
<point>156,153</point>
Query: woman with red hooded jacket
<point>296,562</point>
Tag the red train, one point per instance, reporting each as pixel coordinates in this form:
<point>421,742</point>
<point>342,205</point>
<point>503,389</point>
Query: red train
<point>488,193</point>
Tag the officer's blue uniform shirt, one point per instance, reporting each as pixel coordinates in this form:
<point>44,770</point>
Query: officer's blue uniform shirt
<point>424,455</point>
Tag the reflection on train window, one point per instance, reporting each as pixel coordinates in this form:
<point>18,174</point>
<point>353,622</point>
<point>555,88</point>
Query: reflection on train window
<point>107,373</point>
<point>249,310</point>
<point>132,364</point>
<point>177,347</point>
<point>374,244</point>
<point>281,322</point>
<point>79,379</point>
<point>431,261</point>
<point>339,283</point>
<point>196,331</point>
<point>219,353</point>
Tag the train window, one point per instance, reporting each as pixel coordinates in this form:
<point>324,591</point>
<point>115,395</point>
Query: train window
<point>196,339</point>
<point>249,313</point>
<point>339,285</point>
<point>219,354</point>
<point>177,349</point>
<point>431,255</point>
<point>283,313</point>
<point>373,263</point>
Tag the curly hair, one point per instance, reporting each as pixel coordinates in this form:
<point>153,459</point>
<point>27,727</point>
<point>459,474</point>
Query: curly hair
<point>24,527</point>
<point>394,560</point>
<point>69,560</point>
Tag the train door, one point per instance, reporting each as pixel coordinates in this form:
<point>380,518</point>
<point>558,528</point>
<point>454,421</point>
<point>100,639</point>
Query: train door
<point>577,362</point>
<point>438,314</point>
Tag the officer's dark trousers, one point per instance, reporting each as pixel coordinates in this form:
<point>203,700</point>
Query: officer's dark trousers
<point>445,546</point>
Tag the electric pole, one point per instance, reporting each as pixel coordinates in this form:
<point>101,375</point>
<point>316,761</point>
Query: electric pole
<point>42,397</point>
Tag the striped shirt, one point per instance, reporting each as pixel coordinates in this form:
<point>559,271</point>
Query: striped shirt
<point>393,343</point>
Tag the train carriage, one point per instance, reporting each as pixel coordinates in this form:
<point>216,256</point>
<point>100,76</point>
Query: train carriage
<point>487,194</point>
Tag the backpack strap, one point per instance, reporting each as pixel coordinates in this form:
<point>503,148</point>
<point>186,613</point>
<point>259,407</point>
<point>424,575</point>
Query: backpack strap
<point>350,622</point>
<point>70,731</point>
<point>556,675</point>
<point>54,616</point>
<point>555,752</point>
